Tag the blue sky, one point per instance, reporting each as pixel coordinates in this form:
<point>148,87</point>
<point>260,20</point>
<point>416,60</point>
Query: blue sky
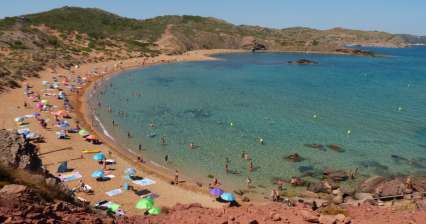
<point>396,16</point>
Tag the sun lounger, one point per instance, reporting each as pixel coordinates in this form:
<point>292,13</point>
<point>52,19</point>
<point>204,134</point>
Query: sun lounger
<point>114,192</point>
<point>144,182</point>
<point>70,177</point>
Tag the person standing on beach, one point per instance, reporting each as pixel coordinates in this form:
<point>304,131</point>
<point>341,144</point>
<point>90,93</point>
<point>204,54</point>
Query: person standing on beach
<point>251,167</point>
<point>248,181</point>
<point>176,177</point>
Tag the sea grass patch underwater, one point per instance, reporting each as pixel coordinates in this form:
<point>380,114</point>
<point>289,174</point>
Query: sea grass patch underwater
<point>344,110</point>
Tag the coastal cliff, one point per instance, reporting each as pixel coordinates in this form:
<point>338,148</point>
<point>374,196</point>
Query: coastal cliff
<point>70,35</point>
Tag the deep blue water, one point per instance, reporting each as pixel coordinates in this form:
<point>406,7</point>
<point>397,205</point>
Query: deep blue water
<point>225,106</point>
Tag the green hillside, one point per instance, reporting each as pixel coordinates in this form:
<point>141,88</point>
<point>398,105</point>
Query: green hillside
<point>70,35</point>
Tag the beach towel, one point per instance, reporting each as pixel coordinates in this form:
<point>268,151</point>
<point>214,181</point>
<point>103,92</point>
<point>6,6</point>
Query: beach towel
<point>144,182</point>
<point>114,192</point>
<point>110,176</point>
<point>70,177</point>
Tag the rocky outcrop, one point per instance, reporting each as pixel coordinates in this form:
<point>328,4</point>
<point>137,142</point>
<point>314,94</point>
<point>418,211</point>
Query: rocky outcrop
<point>20,204</point>
<point>16,153</point>
<point>302,62</point>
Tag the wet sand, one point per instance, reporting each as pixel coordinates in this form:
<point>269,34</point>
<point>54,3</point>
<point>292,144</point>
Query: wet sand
<point>54,150</point>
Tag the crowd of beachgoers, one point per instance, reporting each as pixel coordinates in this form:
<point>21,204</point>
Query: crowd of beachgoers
<point>46,111</point>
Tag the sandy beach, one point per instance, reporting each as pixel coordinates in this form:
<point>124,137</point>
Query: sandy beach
<point>54,151</point>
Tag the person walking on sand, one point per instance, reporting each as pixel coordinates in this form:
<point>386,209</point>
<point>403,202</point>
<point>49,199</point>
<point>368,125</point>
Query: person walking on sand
<point>176,177</point>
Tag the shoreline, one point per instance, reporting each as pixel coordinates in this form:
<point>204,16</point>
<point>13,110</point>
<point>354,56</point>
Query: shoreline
<point>151,167</point>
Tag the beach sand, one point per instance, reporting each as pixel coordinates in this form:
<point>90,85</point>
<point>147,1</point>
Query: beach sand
<point>54,151</point>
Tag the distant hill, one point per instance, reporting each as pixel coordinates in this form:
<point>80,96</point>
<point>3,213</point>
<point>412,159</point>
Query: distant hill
<point>412,39</point>
<point>69,35</point>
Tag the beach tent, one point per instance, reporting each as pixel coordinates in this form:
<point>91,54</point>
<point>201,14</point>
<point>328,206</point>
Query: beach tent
<point>63,167</point>
<point>216,191</point>
<point>154,211</point>
<point>145,203</point>
<point>83,132</point>
<point>99,156</point>
<point>130,171</point>
<point>98,173</point>
<point>227,197</point>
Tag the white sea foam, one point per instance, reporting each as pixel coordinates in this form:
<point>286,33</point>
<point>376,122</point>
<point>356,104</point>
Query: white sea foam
<point>106,133</point>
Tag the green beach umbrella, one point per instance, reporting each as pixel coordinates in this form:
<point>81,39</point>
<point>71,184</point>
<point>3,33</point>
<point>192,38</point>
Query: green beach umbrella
<point>154,211</point>
<point>113,207</point>
<point>83,132</point>
<point>145,203</point>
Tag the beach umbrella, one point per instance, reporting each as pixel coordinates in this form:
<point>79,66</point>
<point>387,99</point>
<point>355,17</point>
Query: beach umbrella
<point>154,211</point>
<point>145,203</point>
<point>130,171</point>
<point>216,191</point>
<point>63,124</point>
<point>91,137</point>
<point>61,113</point>
<point>99,156</point>
<point>114,207</point>
<point>39,105</point>
<point>227,196</point>
<point>19,119</point>
<point>83,132</point>
<point>98,173</point>
<point>44,102</point>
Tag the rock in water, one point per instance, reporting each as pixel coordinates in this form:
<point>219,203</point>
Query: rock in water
<point>370,184</point>
<point>294,158</point>
<point>336,147</point>
<point>303,62</point>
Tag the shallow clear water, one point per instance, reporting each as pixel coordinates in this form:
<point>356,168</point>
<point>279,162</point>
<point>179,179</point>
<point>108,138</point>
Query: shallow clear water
<point>224,106</point>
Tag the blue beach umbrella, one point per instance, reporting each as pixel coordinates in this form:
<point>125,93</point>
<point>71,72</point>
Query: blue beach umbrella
<point>216,191</point>
<point>99,156</point>
<point>63,124</point>
<point>228,196</point>
<point>130,171</point>
<point>98,173</point>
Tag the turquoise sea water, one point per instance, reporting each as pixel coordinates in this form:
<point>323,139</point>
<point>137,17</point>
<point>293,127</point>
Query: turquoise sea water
<point>225,106</point>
